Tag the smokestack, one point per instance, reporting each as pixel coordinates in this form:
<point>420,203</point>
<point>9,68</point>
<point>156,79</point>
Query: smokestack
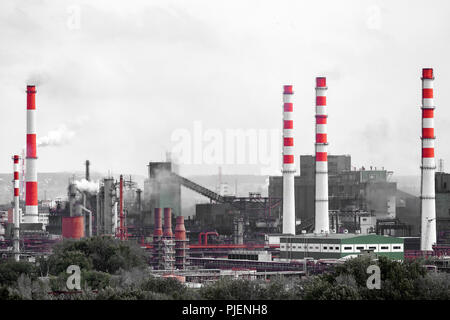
<point>16,208</point>
<point>157,230</point>
<point>31,196</point>
<point>322,224</point>
<point>23,175</point>
<point>168,223</point>
<point>138,200</point>
<point>180,243</point>
<point>288,163</point>
<point>87,170</point>
<point>121,226</point>
<point>427,194</point>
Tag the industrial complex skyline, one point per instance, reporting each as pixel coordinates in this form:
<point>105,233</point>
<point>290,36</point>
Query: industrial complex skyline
<point>109,75</point>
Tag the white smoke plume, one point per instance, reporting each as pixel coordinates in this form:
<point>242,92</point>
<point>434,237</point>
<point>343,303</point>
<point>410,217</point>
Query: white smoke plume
<point>38,78</point>
<point>61,136</point>
<point>87,186</point>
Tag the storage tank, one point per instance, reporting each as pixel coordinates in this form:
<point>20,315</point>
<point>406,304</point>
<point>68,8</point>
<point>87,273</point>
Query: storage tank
<point>73,227</point>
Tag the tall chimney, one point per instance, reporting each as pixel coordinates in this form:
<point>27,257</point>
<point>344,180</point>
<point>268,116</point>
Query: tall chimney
<point>88,178</point>
<point>180,243</point>
<point>31,196</point>
<point>138,200</point>
<point>322,224</point>
<point>288,163</point>
<point>157,229</point>
<point>427,192</point>
<point>22,195</point>
<point>16,208</point>
<point>121,226</point>
<point>167,223</point>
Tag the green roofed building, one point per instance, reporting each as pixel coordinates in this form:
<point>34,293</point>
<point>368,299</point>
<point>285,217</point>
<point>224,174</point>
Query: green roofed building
<point>336,246</point>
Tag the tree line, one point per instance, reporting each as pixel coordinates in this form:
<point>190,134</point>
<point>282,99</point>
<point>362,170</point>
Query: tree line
<point>117,270</point>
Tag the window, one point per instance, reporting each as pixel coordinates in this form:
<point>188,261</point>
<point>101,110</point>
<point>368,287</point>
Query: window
<point>294,247</point>
<point>317,247</point>
<point>325,248</point>
<point>364,219</point>
<point>337,248</point>
<point>347,248</point>
<point>396,247</point>
<point>360,248</point>
<point>372,247</point>
<point>384,248</point>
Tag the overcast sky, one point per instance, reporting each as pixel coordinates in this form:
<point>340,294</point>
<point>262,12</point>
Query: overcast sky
<point>116,79</point>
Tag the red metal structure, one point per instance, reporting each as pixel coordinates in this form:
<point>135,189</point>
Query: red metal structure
<point>204,235</point>
<point>181,243</point>
<point>167,233</point>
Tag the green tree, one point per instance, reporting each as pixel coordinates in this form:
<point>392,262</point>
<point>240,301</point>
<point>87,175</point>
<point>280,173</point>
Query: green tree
<point>10,271</point>
<point>103,254</point>
<point>233,289</point>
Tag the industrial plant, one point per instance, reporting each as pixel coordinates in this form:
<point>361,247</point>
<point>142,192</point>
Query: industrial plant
<point>310,220</point>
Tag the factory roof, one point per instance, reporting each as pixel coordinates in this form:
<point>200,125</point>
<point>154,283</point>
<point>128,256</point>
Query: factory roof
<point>347,237</point>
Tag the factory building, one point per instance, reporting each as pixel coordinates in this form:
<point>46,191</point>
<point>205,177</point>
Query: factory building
<point>442,186</point>
<point>366,191</point>
<point>336,246</point>
<point>161,190</point>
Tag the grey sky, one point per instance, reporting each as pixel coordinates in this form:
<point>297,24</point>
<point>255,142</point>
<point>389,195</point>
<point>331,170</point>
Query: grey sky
<point>135,71</point>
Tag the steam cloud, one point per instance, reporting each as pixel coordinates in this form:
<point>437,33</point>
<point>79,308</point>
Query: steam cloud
<point>58,137</point>
<point>38,78</point>
<point>87,186</point>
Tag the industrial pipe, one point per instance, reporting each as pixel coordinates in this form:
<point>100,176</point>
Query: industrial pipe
<point>206,236</point>
<point>200,235</point>
<point>90,218</point>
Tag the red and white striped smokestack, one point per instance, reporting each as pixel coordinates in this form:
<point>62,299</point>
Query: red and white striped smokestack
<point>288,162</point>
<point>22,191</point>
<point>16,208</point>
<point>427,194</point>
<point>167,223</point>
<point>31,196</point>
<point>322,224</point>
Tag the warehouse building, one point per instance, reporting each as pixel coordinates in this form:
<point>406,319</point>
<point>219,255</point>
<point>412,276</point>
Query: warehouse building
<point>336,246</point>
